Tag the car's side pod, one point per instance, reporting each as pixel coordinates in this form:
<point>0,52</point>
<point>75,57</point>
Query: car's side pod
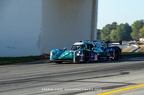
<point>115,52</point>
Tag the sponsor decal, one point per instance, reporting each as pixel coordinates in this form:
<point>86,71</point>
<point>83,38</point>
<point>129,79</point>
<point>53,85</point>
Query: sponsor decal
<point>95,57</point>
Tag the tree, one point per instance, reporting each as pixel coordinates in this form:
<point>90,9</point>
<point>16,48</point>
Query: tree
<point>106,31</point>
<point>113,35</point>
<point>136,26</point>
<point>123,32</point>
<point>98,34</point>
<point>142,32</point>
<point>114,25</point>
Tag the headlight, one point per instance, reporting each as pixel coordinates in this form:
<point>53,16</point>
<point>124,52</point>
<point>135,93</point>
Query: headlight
<point>78,53</point>
<point>51,53</point>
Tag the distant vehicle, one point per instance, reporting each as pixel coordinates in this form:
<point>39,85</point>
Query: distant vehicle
<point>86,51</point>
<point>141,39</point>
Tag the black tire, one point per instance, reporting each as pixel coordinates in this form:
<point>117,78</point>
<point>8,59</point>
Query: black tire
<point>58,62</point>
<point>117,54</point>
<point>77,60</point>
<point>86,57</point>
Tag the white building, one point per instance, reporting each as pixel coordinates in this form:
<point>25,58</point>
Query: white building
<point>33,27</point>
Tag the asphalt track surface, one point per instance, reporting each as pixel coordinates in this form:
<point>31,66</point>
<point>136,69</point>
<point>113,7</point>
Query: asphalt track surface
<point>121,77</point>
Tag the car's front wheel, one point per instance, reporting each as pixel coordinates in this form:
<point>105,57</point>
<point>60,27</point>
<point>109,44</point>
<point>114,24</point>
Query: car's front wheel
<point>58,62</point>
<point>86,57</point>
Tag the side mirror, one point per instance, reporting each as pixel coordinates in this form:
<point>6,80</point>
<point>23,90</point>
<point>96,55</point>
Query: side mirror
<point>64,48</point>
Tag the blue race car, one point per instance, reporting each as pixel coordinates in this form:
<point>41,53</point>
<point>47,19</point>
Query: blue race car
<point>86,51</point>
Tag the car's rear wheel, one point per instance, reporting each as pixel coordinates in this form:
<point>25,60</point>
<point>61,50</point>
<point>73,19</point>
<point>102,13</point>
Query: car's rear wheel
<point>116,54</point>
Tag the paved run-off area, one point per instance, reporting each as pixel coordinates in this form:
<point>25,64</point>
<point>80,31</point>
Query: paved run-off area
<point>73,79</point>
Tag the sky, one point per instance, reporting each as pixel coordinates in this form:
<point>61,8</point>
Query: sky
<point>120,11</point>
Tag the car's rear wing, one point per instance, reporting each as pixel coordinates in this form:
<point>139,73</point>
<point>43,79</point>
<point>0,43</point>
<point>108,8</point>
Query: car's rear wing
<point>114,42</point>
<point>107,42</point>
<point>118,42</point>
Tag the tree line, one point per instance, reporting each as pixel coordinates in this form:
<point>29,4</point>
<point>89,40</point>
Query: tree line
<point>122,31</point>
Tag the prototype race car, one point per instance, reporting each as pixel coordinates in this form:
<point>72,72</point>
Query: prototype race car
<point>86,51</point>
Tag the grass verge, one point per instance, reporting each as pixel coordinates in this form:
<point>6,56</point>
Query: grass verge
<point>132,54</point>
<point>12,60</point>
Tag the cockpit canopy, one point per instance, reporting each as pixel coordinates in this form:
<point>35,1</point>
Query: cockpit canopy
<point>76,47</point>
<point>82,46</point>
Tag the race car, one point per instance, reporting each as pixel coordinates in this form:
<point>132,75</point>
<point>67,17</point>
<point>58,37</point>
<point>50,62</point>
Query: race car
<point>86,51</point>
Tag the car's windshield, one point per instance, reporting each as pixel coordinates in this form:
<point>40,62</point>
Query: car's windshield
<point>76,47</point>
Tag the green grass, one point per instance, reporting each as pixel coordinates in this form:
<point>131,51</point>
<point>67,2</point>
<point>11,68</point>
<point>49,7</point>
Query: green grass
<point>12,60</point>
<point>132,54</point>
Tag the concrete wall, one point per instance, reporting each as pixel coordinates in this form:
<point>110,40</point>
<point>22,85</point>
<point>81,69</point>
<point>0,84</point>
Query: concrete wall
<point>33,27</point>
<point>20,26</point>
<point>65,22</point>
